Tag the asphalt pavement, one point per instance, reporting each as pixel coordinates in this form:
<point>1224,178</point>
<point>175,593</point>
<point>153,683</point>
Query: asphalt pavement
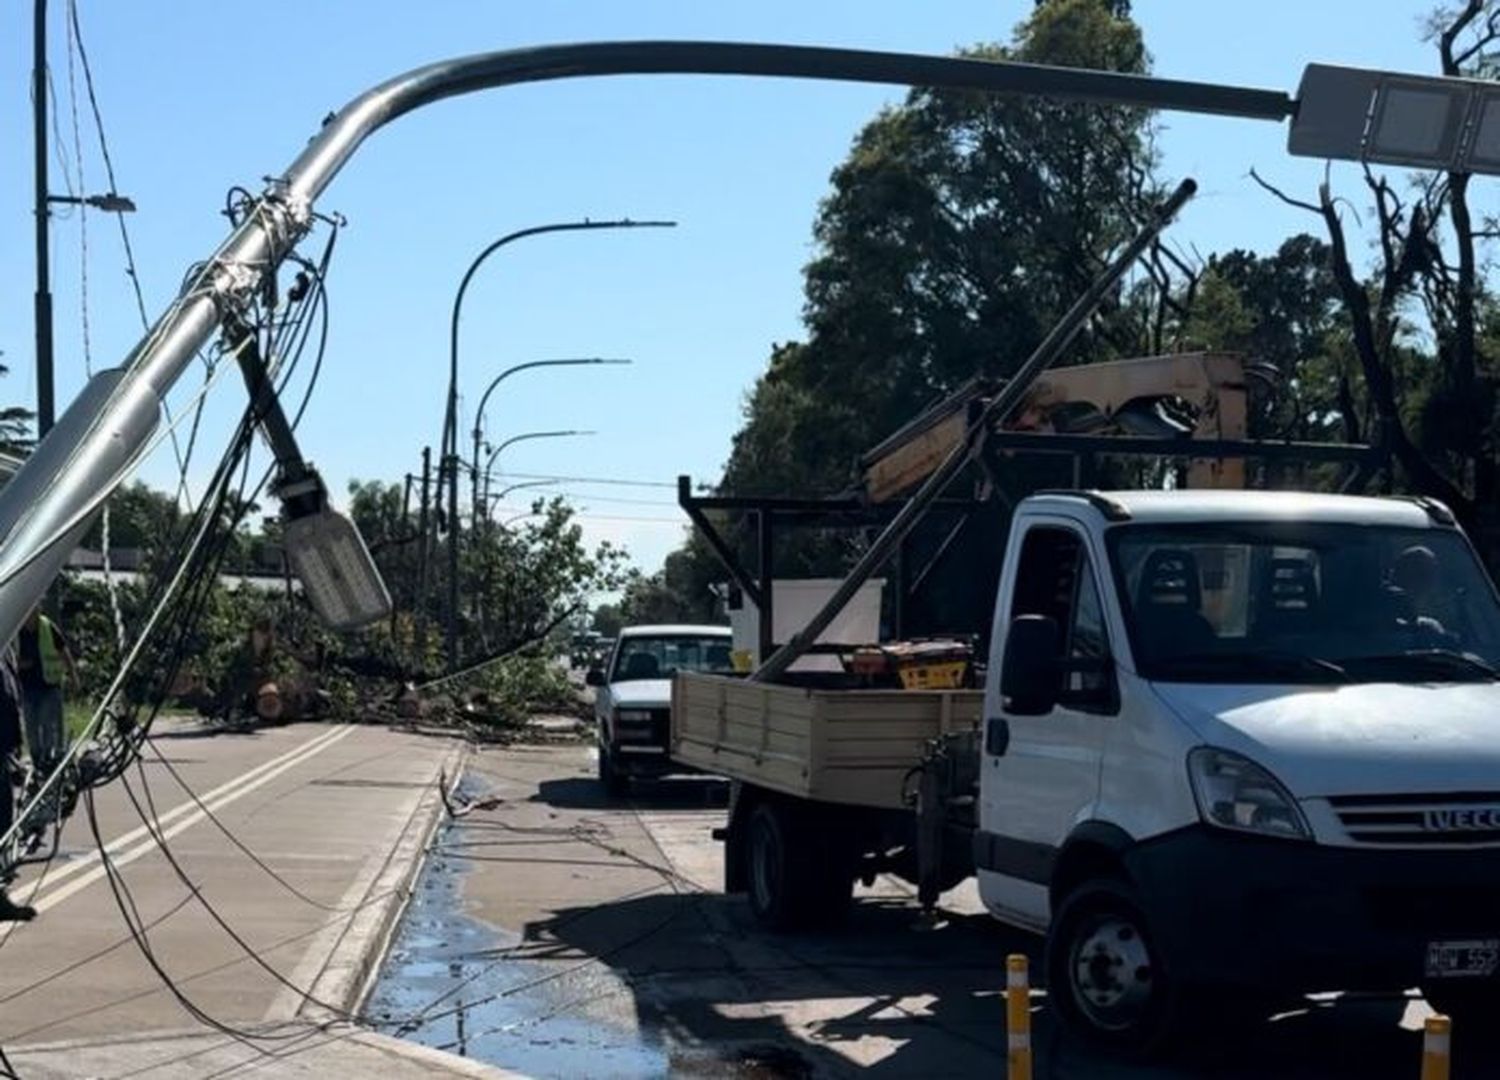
<point>562,934</point>
<point>295,850</point>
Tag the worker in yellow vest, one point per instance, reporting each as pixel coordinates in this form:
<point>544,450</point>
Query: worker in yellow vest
<point>10,742</point>
<point>44,662</point>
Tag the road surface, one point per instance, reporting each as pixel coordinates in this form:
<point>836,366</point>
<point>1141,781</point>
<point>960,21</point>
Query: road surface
<point>560,934</point>
<point>337,814</point>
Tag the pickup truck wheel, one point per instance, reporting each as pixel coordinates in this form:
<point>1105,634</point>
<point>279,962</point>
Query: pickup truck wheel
<point>793,883</point>
<point>1104,977</point>
<point>616,784</point>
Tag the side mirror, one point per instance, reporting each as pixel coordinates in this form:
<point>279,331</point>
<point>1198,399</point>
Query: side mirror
<point>1030,676</point>
<point>595,677</point>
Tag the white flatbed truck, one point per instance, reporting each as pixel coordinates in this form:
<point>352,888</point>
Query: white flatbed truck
<point>1234,746</point>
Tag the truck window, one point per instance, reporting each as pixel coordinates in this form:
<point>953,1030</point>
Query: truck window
<point>640,657</point>
<point>1054,578</point>
<point>1296,601</point>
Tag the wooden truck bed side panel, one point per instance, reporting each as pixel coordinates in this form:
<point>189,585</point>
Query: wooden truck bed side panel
<point>745,730</point>
<point>843,746</point>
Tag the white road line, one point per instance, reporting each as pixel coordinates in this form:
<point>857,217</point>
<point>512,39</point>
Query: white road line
<point>83,862</point>
<point>56,896</point>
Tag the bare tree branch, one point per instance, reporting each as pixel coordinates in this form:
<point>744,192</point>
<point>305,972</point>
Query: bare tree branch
<point>1283,196</point>
<point>1470,12</point>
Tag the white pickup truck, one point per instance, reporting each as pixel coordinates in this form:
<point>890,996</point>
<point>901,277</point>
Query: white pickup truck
<point>633,695</point>
<point>1234,747</point>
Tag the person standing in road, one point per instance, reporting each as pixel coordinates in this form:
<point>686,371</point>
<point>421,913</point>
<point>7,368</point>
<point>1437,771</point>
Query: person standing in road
<point>44,661</point>
<point>10,745</point>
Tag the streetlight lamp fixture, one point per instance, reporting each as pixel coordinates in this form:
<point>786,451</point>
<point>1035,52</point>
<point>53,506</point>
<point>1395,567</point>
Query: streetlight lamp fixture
<point>484,401</point>
<point>110,202</point>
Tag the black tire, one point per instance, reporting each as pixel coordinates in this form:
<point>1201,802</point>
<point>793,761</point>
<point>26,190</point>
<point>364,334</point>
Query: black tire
<point>616,783</point>
<point>794,878</point>
<point>1105,978</point>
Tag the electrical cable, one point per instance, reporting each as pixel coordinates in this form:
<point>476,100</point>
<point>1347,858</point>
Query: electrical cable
<point>153,829</point>
<point>128,911</point>
<point>75,41</point>
<point>99,713</point>
<point>236,841</point>
<point>613,481</point>
<point>7,1070</point>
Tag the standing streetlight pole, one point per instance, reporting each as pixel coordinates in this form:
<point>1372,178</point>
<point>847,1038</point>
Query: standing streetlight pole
<point>450,420</point>
<point>489,464</point>
<point>111,202</point>
<point>484,401</point>
<point>43,308</point>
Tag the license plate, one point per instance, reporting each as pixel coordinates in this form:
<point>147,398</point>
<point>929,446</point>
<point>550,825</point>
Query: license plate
<point>1463,959</point>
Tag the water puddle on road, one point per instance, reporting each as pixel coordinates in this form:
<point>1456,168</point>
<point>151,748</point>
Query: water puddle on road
<point>451,972</point>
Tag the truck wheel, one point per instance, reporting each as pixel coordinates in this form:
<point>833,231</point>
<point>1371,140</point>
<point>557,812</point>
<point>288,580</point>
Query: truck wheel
<point>1104,977</point>
<point>793,884</point>
<point>616,784</point>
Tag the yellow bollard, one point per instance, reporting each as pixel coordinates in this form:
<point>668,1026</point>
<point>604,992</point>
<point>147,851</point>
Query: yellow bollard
<point>1436,1040</point>
<point>1018,1019</point>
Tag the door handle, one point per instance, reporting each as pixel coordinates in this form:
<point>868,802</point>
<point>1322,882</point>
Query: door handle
<point>996,736</point>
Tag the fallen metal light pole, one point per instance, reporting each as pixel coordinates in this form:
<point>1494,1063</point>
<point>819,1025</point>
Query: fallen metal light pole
<point>45,510</point>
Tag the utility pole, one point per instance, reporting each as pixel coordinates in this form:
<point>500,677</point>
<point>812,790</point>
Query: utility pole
<point>423,550</point>
<point>43,311</point>
<point>402,535</point>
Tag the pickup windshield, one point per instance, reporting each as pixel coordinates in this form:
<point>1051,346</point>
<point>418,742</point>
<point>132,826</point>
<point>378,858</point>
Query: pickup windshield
<point>1305,602</point>
<point>662,657</point>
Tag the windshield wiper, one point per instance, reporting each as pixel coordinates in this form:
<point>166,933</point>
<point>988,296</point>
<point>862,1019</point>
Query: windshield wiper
<point>1261,660</point>
<point>1447,660</point>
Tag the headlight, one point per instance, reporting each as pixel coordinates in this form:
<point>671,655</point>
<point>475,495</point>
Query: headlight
<point>1235,793</point>
<point>633,716</point>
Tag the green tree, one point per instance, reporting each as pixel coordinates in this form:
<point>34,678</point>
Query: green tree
<point>957,231</point>
<point>607,619</point>
<point>15,423</point>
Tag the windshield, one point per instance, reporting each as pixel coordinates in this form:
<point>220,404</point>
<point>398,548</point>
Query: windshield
<point>1305,602</point>
<point>663,657</point>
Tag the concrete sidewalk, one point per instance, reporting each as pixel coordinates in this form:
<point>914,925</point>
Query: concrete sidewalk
<point>335,1051</point>
<point>339,816</point>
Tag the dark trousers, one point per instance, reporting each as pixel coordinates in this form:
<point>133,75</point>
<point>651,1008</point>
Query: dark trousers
<point>10,742</point>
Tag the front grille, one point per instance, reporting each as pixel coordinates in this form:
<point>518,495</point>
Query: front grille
<point>652,732</point>
<point>1446,819</point>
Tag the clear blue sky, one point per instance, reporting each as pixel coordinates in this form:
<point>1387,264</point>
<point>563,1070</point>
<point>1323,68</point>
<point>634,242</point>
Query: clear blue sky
<point>198,97</point>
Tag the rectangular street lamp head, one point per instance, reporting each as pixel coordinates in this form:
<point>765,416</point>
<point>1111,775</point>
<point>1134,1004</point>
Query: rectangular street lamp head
<point>1386,118</point>
<point>337,573</point>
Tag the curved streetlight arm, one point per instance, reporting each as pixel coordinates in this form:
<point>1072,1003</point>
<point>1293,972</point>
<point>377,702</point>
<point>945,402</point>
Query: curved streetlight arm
<point>490,463</point>
<point>524,484</point>
<point>484,399</point>
<point>51,501</point>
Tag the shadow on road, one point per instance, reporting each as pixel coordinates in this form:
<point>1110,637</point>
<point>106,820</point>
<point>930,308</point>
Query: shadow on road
<point>207,731</point>
<point>671,793</point>
<point>885,998</point>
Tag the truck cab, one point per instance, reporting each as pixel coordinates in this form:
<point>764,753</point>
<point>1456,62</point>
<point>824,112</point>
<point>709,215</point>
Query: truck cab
<point>633,695</point>
<point>1242,744</point>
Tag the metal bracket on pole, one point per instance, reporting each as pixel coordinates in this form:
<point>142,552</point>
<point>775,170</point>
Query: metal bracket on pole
<point>1060,336</point>
<point>297,485</point>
